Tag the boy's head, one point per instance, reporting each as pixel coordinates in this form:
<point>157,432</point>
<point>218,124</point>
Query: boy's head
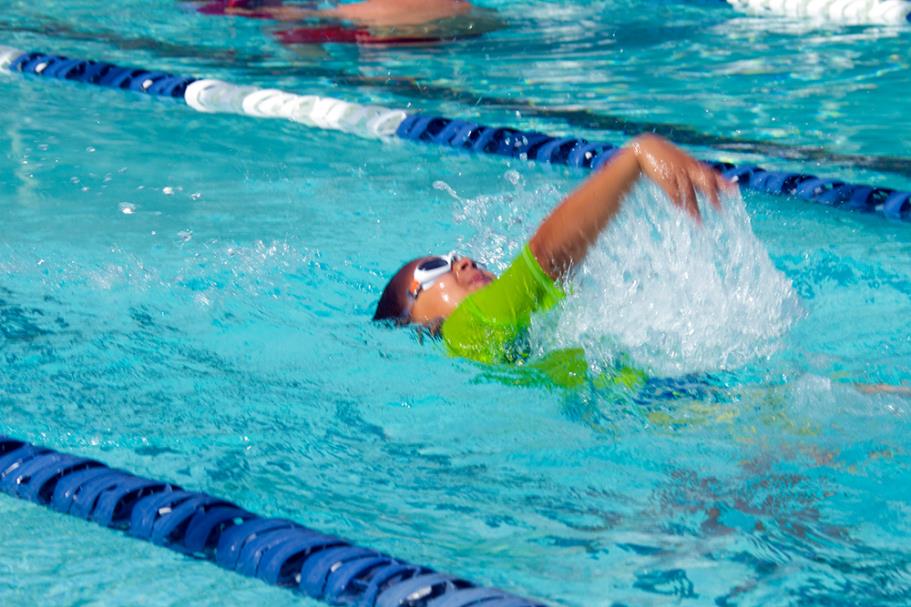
<point>428,289</point>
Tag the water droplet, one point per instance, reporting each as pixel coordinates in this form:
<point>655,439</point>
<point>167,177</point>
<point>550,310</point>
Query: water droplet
<point>445,187</point>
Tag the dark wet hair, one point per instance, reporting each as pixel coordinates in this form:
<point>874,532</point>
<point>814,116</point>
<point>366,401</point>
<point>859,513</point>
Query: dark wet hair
<point>394,301</point>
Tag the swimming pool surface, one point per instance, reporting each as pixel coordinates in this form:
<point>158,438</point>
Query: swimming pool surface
<point>188,297</point>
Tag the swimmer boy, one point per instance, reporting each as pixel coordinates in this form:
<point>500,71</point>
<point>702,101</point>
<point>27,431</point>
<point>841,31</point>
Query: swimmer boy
<point>482,317</point>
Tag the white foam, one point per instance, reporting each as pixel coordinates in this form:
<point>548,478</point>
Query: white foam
<point>675,296</point>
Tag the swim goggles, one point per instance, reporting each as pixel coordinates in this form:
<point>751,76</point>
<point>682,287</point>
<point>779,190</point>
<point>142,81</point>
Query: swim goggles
<point>429,270</point>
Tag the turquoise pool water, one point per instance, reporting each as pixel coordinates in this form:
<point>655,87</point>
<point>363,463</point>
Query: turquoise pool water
<point>187,296</point>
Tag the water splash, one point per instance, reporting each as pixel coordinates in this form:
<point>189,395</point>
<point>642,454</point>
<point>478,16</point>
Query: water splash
<point>501,222</point>
<point>675,296</point>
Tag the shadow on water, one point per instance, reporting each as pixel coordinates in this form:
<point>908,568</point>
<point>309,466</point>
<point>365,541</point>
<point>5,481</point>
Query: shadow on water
<point>22,324</point>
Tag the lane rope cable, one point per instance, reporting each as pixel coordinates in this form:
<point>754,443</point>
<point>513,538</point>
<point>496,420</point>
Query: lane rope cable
<point>378,122</point>
<point>277,551</point>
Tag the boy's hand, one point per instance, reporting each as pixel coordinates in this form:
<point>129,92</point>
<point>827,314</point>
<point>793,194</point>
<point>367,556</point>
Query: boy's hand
<point>678,173</point>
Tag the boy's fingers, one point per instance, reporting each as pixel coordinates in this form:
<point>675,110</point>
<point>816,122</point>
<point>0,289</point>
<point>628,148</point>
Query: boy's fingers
<point>673,192</point>
<point>712,193</point>
<point>725,184</point>
<point>705,180</point>
<point>688,195</point>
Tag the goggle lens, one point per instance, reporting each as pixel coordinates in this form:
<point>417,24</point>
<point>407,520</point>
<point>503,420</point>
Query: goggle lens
<point>433,264</point>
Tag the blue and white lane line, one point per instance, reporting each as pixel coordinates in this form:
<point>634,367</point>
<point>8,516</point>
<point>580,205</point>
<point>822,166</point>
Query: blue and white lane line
<point>380,123</point>
<point>845,12</point>
<point>277,551</point>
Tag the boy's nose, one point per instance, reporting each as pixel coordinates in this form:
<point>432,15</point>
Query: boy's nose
<point>465,263</point>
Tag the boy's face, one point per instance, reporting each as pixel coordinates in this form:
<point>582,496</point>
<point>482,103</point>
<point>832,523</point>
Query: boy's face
<point>446,293</point>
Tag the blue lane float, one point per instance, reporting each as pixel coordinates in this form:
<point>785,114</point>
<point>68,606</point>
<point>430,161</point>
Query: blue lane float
<point>277,551</point>
<point>102,74</point>
<point>581,153</point>
<point>207,95</point>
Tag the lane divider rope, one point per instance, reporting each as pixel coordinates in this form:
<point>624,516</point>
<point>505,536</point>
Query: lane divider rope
<point>849,12</point>
<point>374,121</point>
<point>277,551</point>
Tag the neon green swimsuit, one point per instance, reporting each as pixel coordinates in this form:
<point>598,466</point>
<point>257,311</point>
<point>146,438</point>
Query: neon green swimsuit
<point>490,324</point>
<point>487,325</point>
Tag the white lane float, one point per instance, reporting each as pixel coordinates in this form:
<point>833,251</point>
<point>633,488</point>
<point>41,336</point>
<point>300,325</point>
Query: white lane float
<point>847,12</point>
